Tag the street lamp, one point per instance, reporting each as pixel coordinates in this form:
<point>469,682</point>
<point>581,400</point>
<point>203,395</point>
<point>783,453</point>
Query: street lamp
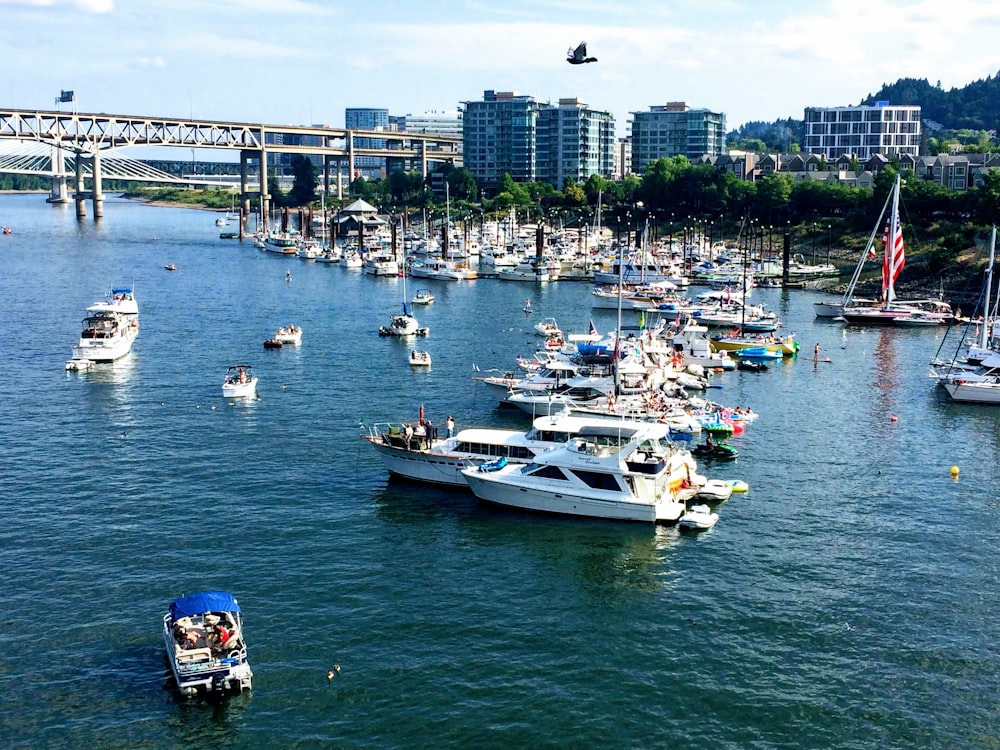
<point>814,242</point>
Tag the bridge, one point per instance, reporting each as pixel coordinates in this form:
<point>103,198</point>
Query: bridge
<point>87,146</point>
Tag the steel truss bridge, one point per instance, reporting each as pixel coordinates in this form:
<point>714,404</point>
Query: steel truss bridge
<point>87,148</point>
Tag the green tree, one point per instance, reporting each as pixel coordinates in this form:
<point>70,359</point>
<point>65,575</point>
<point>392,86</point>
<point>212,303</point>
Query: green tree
<point>303,190</point>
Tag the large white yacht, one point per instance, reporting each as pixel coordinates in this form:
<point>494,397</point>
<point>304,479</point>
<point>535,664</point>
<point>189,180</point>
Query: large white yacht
<point>621,471</point>
<point>108,330</point>
<point>425,458</point>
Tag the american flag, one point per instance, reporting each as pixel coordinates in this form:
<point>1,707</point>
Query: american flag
<point>894,258</point>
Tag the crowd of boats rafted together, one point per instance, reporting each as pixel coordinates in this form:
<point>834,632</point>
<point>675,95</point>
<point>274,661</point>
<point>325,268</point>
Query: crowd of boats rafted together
<point>617,430</point>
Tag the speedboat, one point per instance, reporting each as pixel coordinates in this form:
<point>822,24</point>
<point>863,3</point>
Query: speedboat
<point>420,359</point>
<point>423,297</point>
<point>240,382</point>
<point>289,334</point>
<point>109,329</point>
<point>548,327</point>
<point>698,518</point>
<point>170,267</point>
<point>203,634</point>
<point>618,471</point>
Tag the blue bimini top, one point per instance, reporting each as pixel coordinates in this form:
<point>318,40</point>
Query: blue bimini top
<point>206,601</point>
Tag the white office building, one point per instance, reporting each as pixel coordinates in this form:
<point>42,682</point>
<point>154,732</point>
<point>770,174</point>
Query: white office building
<point>863,131</point>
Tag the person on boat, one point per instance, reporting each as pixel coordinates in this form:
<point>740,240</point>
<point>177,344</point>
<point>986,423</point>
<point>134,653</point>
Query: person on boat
<point>709,443</point>
<point>222,635</point>
<point>243,376</point>
<point>450,426</point>
<point>431,430</point>
<point>408,433</point>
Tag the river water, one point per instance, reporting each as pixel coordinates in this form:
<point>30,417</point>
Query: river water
<point>847,600</point>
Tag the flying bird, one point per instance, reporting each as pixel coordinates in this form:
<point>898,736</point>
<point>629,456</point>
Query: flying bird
<point>579,55</point>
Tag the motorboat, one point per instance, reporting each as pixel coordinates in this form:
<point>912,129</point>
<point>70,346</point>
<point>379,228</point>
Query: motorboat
<point>749,365</point>
<point>109,329</point>
<point>423,297</point>
<point>419,358</point>
<point>698,518</point>
<point>289,334</point>
<point>170,267</point>
<point>619,471</point>
<point>547,327</point>
<point>714,491</point>
<point>203,635</point>
<point>221,221</point>
<point>281,243</point>
<point>273,344</point>
<point>441,461</point>
<point>447,270</point>
<point>240,382</point>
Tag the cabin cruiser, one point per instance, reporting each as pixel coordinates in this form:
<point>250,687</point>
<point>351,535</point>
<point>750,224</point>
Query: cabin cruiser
<point>109,329</point>
<point>203,634</point>
<point>620,471</point>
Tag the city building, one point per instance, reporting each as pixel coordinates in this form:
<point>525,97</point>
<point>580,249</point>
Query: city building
<point>509,133</point>
<point>674,129</point>
<point>623,158</point>
<point>573,142</point>
<point>367,118</point>
<point>862,131</point>
<point>498,135</point>
<point>446,123</point>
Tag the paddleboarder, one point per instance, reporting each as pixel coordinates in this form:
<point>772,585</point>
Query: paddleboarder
<point>816,351</point>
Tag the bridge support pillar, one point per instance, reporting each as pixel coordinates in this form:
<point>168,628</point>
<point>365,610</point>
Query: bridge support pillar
<point>265,199</point>
<point>244,197</point>
<point>80,195</point>
<point>98,194</point>
<point>423,158</point>
<point>340,179</point>
<point>58,192</point>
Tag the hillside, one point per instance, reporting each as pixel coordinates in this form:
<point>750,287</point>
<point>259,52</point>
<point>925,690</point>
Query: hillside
<point>975,106</point>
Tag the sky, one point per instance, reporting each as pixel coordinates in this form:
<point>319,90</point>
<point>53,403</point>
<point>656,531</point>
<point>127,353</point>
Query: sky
<point>302,62</point>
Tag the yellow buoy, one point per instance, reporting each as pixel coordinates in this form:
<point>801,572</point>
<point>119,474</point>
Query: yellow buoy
<point>954,471</point>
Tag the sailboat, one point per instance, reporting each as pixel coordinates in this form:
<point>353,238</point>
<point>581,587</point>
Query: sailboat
<point>402,324</point>
<point>975,377</point>
<point>894,311</point>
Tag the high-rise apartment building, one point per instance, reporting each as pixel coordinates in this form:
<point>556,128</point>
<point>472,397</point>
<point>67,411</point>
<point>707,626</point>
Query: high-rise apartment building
<point>674,129</point>
<point>573,142</point>
<point>510,133</point>
<point>862,131</point>
<point>498,135</point>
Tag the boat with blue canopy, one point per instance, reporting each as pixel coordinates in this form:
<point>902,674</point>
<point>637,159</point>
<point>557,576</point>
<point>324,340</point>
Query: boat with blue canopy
<point>203,634</point>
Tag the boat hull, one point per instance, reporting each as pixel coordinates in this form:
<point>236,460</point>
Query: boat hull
<point>973,392</point>
<point>610,506</point>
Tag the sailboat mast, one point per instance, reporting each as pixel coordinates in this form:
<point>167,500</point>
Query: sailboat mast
<point>889,265</point>
<point>984,336</point>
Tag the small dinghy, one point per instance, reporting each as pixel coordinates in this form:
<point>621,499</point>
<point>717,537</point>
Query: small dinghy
<point>273,344</point>
<point>698,518</point>
<point>714,491</point>
<point>738,485</point>
<point>748,365</point>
